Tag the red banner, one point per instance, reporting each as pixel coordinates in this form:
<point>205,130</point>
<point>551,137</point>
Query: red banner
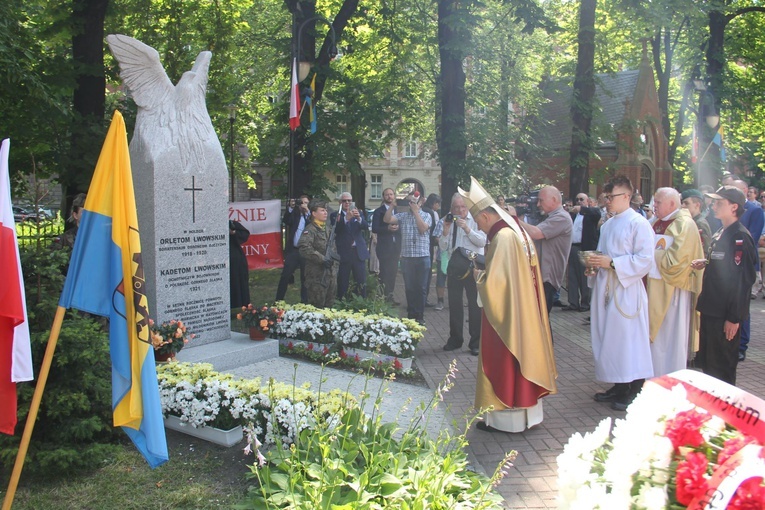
<point>264,221</point>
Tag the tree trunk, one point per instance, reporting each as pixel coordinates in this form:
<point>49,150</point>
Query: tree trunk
<point>582,100</point>
<point>88,99</point>
<point>453,39</point>
<point>300,175</point>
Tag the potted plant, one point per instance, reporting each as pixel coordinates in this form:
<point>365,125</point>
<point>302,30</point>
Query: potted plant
<point>260,320</point>
<point>168,338</point>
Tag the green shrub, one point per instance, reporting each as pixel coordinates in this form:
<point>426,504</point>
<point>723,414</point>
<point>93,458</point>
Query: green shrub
<point>74,424</point>
<point>357,461</point>
<point>374,303</point>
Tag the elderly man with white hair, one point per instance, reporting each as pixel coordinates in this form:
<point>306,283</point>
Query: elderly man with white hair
<point>673,286</point>
<point>553,239</point>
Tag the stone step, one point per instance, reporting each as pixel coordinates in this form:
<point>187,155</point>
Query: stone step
<point>237,351</point>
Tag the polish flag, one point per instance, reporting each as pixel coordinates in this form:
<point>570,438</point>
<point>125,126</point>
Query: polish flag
<point>15,350</point>
<point>294,98</point>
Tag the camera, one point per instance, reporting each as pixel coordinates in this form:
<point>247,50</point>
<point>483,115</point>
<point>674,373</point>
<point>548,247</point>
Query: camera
<point>526,205</point>
<point>449,218</point>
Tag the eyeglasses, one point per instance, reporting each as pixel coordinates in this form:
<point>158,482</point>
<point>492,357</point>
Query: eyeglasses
<point>347,200</point>
<point>610,198</point>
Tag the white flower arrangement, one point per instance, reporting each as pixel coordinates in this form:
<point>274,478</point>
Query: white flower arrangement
<point>201,397</point>
<point>672,450</point>
<point>377,333</point>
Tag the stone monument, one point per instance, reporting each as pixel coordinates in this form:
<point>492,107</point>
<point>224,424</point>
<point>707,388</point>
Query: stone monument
<point>180,180</point>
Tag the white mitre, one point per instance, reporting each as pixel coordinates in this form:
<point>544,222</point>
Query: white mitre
<point>478,199</point>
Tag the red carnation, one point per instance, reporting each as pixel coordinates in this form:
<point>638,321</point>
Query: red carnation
<point>290,346</point>
<point>310,347</point>
<point>750,495</point>
<point>685,428</point>
<point>732,446</point>
<point>343,354</point>
<point>397,364</point>
<point>691,480</point>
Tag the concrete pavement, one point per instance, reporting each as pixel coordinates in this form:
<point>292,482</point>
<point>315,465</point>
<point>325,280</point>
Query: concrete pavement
<point>531,482</point>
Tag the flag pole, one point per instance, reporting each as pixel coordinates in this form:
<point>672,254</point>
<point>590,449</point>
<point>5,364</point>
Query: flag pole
<point>34,407</point>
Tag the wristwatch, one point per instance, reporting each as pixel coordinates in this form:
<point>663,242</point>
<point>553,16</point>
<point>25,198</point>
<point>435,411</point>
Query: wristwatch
<point>613,266</point>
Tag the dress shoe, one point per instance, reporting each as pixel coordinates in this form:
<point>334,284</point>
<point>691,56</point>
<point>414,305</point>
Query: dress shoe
<point>619,406</point>
<point>558,303</point>
<point>584,308</point>
<point>570,308</point>
<point>481,425</point>
<point>741,356</point>
<point>474,351</point>
<point>613,393</point>
<point>451,347</point>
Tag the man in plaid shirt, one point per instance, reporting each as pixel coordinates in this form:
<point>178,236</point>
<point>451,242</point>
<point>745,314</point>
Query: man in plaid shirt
<point>414,227</point>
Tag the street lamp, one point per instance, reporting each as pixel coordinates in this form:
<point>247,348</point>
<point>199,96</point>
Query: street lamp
<point>707,124</point>
<point>303,68</point>
<point>231,118</point>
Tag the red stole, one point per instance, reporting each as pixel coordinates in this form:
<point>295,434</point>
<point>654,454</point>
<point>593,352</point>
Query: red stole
<point>660,226</point>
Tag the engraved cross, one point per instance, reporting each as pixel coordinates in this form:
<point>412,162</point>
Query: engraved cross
<point>193,190</point>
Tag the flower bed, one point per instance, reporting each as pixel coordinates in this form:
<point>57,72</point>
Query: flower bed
<point>688,440</point>
<point>381,334</point>
<point>201,397</point>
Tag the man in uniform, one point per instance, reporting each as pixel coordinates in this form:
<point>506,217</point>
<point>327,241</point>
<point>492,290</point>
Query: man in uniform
<point>619,304</point>
<point>673,285</point>
<point>728,278</point>
<point>516,365</point>
<point>320,267</point>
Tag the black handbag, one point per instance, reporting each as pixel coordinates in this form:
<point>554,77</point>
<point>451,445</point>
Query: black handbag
<point>463,261</point>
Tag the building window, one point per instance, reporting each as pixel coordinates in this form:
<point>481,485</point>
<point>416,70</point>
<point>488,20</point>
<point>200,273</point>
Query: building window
<point>257,191</point>
<point>646,186</point>
<point>342,184</point>
<point>375,186</point>
<point>410,149</point>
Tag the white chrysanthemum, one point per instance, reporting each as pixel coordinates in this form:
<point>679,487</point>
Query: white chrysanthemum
<point>652,497</point>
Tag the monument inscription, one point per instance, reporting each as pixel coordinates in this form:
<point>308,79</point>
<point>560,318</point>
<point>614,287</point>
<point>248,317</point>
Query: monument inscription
<point>180,179</point>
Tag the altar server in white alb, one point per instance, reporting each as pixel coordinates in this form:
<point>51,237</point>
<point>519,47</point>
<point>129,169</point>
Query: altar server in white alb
<point>619,304</point>
<point>673,285</point>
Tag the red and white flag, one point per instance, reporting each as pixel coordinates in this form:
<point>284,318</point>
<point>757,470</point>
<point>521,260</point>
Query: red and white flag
<point>15,350</point>
<point>294,98</point>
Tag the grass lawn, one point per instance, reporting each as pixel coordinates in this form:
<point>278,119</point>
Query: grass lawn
<point>198,475</point>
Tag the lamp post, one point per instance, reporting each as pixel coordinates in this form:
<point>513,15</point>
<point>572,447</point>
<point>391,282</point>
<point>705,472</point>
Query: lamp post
<point>231,119</point>
<point>707,124</point>
<point>303,68</point>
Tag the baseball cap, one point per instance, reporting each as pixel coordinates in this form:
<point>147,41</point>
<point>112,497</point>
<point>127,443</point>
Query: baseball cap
<point>730,193</point>
<point>691,193</point>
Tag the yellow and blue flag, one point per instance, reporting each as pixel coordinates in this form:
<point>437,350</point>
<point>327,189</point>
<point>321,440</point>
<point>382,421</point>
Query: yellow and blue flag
<point>106,278</point>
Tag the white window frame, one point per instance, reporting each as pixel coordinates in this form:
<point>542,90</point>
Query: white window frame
<point>410,148</point>
<point>343,185</point>
<point>375,186</point>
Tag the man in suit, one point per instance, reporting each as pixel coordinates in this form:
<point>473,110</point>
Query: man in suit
<point>349,226</point>
<point>584,237</point>
<point>388,244</point>
<point>295,219</point>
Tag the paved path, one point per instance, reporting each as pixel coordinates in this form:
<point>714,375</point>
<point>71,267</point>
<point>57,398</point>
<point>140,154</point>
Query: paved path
<point>531,483</point>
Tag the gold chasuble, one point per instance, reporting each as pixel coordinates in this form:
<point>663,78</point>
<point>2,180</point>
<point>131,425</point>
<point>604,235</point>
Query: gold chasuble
<point>516,363</point>
<point>674,265</point>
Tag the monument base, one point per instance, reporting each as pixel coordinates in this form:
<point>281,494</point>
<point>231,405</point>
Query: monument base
<point>515,420</point>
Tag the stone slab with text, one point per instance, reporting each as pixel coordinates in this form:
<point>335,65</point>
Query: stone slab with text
<point>180,180</point>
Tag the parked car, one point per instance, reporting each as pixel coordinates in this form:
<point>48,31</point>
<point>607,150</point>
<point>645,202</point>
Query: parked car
<point>20,214</point>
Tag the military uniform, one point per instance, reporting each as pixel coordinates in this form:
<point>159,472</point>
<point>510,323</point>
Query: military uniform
<point>728,278</point>
<point>321,289</point>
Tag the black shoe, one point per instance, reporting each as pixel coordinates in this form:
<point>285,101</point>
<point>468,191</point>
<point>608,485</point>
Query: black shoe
<point>742,356</point>
<point>615,392</point>
<point>570,308</point>
<point>474,351</point>
<point>428,304</point>
<point>584,308</point>
<point>561,305</point>
<point>481,425</point>
<point>619,406</point>
<point>451,347</point>
<point>622,403</point>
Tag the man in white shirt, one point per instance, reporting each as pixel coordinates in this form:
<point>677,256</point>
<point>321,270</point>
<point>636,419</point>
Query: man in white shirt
<point>459,230</point>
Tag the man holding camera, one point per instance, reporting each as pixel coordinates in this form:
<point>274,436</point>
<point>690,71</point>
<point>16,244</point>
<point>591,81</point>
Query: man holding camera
<point>458,230</point>
<point>351,246</point>
<point>414,226</point>
<point>388,244</point>
<point>553,239</point>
